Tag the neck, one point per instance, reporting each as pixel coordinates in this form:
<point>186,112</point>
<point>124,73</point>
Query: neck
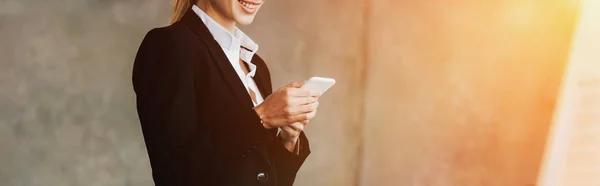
<point>222,20</point>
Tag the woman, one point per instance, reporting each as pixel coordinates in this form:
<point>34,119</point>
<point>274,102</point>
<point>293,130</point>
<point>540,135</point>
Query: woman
<point>205,102</point>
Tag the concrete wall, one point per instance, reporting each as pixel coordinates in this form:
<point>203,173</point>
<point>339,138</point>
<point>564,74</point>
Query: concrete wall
<point>67,113</point>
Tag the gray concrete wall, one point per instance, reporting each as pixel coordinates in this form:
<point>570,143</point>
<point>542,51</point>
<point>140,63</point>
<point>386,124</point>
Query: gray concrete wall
<point>67,114</point>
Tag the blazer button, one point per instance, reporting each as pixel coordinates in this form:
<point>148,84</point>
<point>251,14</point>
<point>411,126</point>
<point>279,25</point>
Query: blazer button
<point>243,155</point>
<point>262,177</point>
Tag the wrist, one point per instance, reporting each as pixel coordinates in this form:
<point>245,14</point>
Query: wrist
<point>259,110</point>
<point>289,144</point>
<point>287,138</point>
<point>292,140</point>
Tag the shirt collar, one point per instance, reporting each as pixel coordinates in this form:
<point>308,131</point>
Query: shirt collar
<point>226,39</point>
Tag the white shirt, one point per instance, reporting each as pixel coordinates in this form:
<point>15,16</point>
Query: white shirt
<point>232,47</point>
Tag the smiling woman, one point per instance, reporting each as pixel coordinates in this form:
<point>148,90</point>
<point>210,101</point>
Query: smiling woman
<point>239,11</point>
<point>206,105</point>
<point>250,6</point>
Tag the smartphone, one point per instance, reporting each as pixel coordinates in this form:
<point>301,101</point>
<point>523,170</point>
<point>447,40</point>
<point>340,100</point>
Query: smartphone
<point>320,84</point>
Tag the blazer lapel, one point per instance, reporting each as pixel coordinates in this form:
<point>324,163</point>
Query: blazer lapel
<point>237,87</point>
<point>219,58</point>
<point>261,82</point>
<point>264,86</point>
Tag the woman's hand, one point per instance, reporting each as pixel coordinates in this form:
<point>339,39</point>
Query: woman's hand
<point>289,104</point>
<point>291,133</point>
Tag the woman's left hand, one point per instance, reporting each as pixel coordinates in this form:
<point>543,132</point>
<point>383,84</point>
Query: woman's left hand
<point>290,134</point>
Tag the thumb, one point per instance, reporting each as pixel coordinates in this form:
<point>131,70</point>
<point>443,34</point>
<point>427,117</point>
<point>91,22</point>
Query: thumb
<point>296,84</point>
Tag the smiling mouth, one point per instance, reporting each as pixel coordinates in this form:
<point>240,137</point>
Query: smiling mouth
<point>250,5</point>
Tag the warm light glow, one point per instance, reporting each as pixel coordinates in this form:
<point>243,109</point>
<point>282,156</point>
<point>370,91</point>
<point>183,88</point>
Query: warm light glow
<point>521,14</point>
<point>573,155</point>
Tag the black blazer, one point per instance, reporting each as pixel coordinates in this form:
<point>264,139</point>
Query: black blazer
<point>197,118</point>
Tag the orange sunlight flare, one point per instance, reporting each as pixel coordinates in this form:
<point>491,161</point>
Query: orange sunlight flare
<point>572,155</point>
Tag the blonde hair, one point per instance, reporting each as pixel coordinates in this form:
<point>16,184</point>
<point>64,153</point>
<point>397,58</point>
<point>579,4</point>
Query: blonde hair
<point>180,7</point>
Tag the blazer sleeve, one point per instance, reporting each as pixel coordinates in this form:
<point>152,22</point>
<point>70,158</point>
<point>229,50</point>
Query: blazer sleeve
<point>178,144</point>
<point>288,163</point>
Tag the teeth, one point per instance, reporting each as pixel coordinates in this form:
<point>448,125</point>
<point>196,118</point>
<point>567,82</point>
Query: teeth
<point>247,5</point>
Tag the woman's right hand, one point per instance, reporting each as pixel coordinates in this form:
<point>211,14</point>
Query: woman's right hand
<point>287,105</point>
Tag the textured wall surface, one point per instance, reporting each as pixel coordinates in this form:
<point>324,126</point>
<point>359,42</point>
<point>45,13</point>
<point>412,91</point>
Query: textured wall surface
<point>461,93</point>
<point>67,113</point>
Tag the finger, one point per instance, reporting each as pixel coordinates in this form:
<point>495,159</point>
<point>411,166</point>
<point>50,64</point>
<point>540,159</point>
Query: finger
<point>296,84</point>
<point>306,108</point>
<point>298,126</point>
<point>311,115</point>
<point>301,92</point>
<point>288,129</point>
<point>306,116</point>
<point>303,101</point>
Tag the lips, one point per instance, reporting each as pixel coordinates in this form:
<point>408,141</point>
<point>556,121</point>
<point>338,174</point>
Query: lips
<point>250,5</point>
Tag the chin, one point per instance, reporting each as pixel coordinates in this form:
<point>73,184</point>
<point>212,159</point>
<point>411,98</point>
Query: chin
<point>245,10</point>
<point>244,20</point>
